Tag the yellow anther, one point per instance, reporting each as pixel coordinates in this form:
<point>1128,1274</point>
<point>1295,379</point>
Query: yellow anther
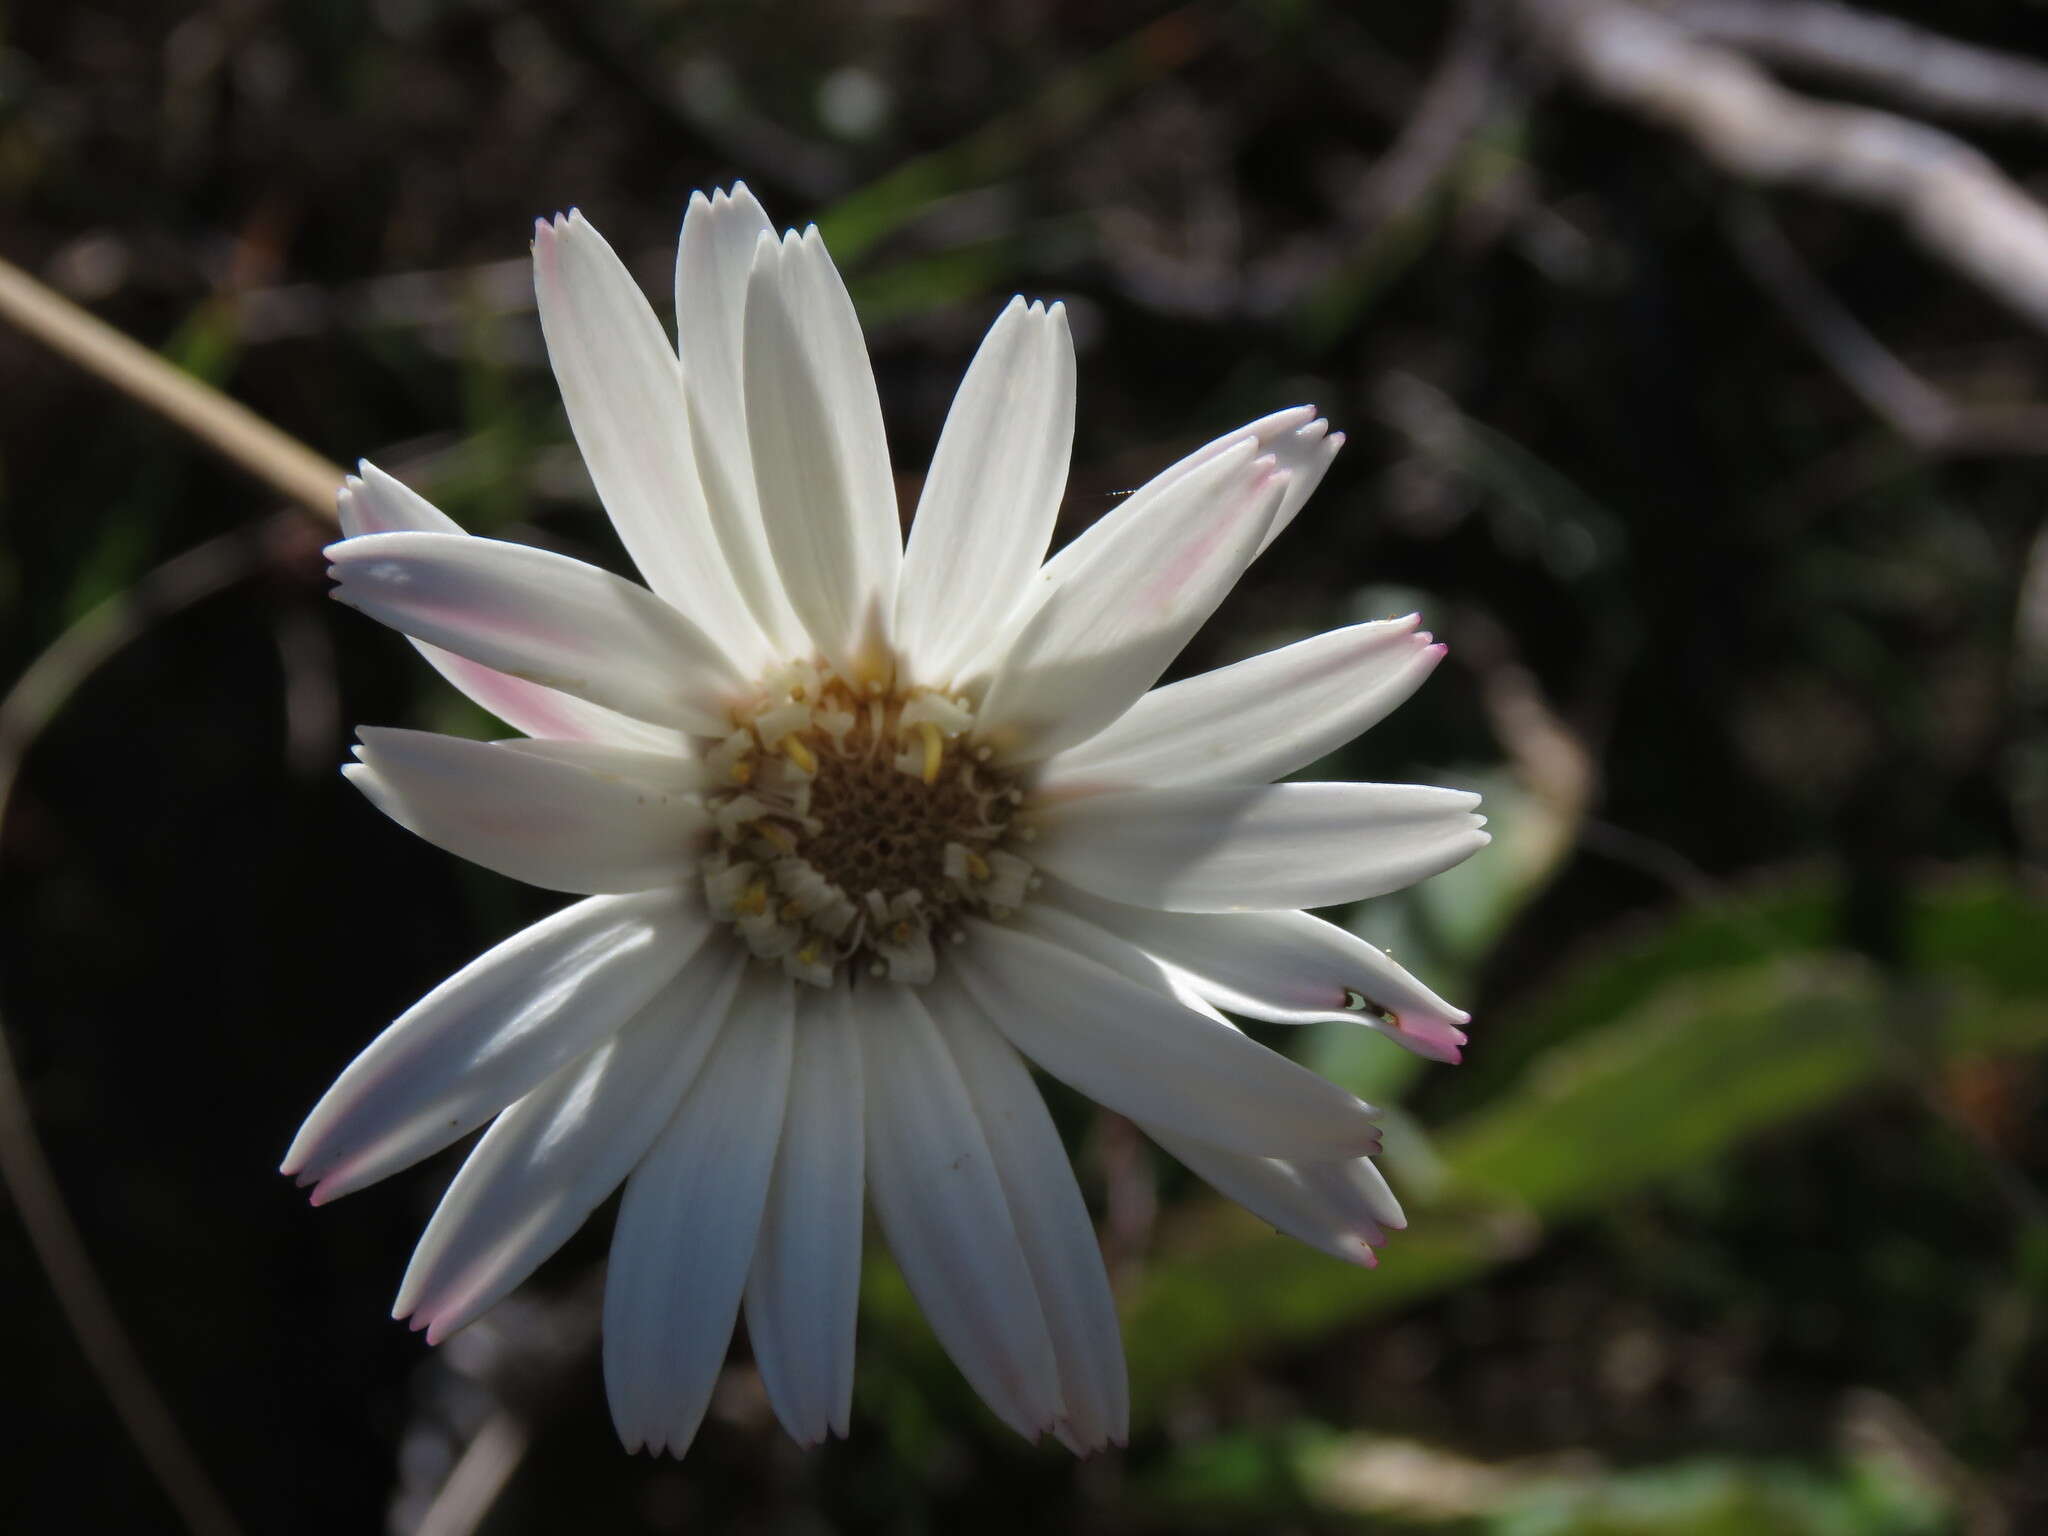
<point>742,770</point>
<point>791,910</point>
<point>777,835</point>
<point>977,866</point>
<point>753,901</point>
<point>811,953</point>
<point>934,749</point>
<point>794,749</point>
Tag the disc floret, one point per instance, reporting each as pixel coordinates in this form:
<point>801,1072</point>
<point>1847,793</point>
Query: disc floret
<point>854,824</point>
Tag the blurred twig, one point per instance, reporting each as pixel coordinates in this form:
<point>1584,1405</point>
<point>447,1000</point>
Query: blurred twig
<point>1960,206</point>
<point>29,706</point>
<point>302,476</point>
<point>235,432</point>
<point>1878,1422</point>
<point>1552,760</point>
<point>1881,52</point>
<point>1451,109</point>
<point>1912,407</point>
<point>475,1481</point>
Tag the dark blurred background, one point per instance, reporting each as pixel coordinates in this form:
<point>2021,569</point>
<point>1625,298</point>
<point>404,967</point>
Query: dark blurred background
<point>1719,468</point>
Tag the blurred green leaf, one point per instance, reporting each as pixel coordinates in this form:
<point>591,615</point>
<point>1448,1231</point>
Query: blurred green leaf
<point>1682,1068</point>
<point>1729,1498</point>
<point>1305,1469</point>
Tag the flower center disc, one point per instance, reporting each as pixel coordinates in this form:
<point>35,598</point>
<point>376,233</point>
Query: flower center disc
<point>853,823</point>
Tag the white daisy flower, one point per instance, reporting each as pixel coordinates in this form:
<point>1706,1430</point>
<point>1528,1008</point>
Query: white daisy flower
<point>861,828</point>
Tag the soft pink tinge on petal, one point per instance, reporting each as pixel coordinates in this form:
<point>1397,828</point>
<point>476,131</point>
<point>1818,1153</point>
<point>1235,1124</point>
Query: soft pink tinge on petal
<point>371,501</point>
<point>1433,1038</point>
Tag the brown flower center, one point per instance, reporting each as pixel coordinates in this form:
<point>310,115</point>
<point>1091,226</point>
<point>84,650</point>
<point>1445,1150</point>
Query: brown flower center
<point>854,825</point>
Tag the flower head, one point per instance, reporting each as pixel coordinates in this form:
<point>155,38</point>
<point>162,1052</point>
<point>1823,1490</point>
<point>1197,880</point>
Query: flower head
<point>856,823</point>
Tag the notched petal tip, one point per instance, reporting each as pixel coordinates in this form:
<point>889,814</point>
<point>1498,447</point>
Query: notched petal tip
<point>1434,1038</point>
<point>1082,1447</point>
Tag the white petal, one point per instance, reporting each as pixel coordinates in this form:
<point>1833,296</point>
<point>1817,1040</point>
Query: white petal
<point>1299,441</point>
<point>1259,720</point>
<point>1330,1206</point>
<point>1337,1206</point>
<point>1149,1058</point>
<point>943,1211</point>
<point>1103,636</point>
<point>712,262</point>
<point>547,822</point>
<point>821,463</point>
<point>677,771</point>
<point>373,502</point>
<point>623,389</point>
<point>489,1033</point>
<point>993,493</point>
<point>688,1224</point>
<point>804,1288</point>
<point>1306,454</point>
<point>1052,1221</point>
<point>550,1159</point>
<point>1356,1183</point>
<point>548,618</point>
<point>1258,848</point>
<point>1286,967</point>
<point>1274,434</point>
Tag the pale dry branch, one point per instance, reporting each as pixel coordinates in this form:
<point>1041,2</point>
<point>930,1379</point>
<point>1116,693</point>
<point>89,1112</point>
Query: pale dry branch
<point>473,1485</point>
<point>1915,409</point>
<point>1882,53</point>
<point>234,431</point>
<point>1960,206</point>
<point>1921,414</point>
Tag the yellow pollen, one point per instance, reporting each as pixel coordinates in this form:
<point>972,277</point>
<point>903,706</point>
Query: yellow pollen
<point>857,825</point>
